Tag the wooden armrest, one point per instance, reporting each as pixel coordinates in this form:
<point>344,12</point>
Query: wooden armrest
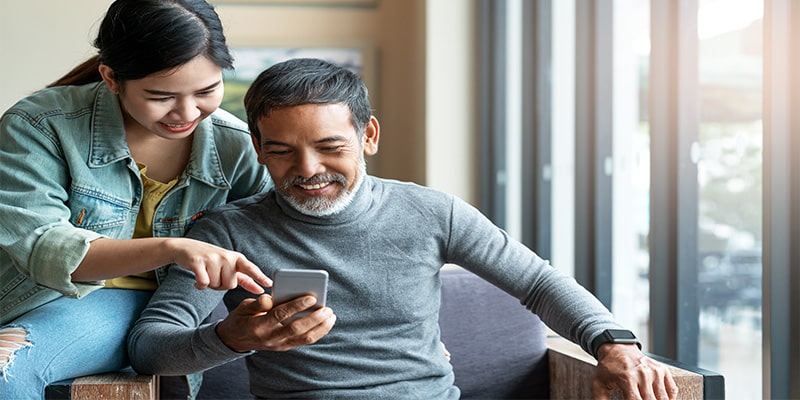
<point>572,370</point>
<point>115,385</point>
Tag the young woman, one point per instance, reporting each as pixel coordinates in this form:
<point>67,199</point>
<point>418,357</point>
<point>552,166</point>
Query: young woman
<point>101,174</point>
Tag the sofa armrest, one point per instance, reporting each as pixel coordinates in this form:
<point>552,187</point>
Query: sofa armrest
<point>114,385</point>
<point>572,370</point>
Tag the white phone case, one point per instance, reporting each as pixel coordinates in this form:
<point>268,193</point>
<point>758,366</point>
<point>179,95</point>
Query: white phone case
<point>289,284</point>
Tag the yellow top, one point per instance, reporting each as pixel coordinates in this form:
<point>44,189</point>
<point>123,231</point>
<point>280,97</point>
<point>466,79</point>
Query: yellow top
<point>154,191</point>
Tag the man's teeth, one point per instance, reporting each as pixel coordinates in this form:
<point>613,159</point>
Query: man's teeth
<point>314,186</point>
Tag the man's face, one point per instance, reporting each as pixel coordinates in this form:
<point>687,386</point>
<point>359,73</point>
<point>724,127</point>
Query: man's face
<point>314,155</point>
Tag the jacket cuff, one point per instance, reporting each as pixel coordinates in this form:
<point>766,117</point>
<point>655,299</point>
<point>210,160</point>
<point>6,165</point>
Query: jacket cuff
<point>57,254</point>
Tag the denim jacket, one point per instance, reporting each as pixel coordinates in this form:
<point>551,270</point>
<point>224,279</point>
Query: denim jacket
<point>67,177</point>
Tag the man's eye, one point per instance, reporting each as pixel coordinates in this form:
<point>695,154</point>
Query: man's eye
<point>278,152</point>
<point>161,99</point>
<point>206,93</point>
<point>332,148</point>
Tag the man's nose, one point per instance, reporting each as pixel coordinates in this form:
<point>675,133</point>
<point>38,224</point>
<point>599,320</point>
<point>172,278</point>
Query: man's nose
<point>308,164</point>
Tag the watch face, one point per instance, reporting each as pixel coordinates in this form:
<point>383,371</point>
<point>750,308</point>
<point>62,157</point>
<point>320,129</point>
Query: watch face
<point>620,334</point>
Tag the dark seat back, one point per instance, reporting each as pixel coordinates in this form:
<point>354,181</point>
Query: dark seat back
<point>498,348</point>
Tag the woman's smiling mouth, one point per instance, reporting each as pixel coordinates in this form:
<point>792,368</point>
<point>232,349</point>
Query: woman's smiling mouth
<point>178,128</point>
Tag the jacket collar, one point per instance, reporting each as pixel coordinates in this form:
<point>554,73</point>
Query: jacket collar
<point>108,143</point>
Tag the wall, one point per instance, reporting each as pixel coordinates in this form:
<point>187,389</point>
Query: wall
<point>450,115</point>
<point>40,40</point>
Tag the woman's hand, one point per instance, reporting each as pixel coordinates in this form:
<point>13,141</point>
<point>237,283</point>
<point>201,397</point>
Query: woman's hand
<point>217,268</point>
<point>213,266</point>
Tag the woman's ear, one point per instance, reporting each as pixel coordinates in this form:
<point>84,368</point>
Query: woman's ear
<point>108,77</point>
<point>372,133</point>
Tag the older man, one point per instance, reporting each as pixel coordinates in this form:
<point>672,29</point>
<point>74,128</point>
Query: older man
<point>382,242</point>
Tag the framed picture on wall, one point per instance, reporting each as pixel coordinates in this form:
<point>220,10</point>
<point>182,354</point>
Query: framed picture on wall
<point>251,59</point>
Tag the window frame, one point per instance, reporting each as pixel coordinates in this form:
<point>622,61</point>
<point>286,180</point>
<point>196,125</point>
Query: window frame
<point>674,310</point>
<point>781,197</point>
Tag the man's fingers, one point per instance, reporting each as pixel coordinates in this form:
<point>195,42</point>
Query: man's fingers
<point>667,388</point>
<point>660,390</point>
<point>260,305</point>
<point>283,312</point>
<point>600,391</point>
<point>320,330</point>
<point>308,330</point>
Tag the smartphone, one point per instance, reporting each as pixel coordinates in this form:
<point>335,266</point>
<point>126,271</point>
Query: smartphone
<point>289,284</point>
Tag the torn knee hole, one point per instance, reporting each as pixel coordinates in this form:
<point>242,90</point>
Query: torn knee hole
<point>12,339</point>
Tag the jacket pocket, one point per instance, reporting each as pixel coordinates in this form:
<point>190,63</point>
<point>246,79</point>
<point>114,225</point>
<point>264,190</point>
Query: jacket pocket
<point>97,210</point>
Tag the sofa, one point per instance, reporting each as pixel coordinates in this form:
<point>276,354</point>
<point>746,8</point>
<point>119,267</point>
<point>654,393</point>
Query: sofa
<point>499,350</point>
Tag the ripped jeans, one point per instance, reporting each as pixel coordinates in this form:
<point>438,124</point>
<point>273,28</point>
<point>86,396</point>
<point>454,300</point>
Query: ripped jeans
<point>67,338</point>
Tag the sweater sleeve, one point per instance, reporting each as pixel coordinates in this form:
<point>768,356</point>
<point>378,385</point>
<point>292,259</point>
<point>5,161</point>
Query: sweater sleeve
<point>170,337</point>
<point>564,305</point>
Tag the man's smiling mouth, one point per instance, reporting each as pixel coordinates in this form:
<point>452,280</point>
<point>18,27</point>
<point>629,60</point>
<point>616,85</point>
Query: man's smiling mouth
<point>314,186</point>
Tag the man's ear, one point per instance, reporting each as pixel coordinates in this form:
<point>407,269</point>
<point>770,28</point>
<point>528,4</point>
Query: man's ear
<point>372,133</point>
<point>257,146</point>
<point>108,77</point>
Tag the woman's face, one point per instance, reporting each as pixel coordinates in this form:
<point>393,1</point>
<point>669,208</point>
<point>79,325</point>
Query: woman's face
<point>170,103</point>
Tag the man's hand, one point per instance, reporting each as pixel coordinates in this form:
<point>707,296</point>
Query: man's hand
<point>256,325</point>
<point>625,367</point>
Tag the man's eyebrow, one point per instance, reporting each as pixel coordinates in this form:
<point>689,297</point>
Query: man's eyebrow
<point>330,139</point>
<point>165,93</point>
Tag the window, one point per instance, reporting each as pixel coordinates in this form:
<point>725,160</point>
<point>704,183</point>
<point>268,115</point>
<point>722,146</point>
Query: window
<point>669,150</point>
<point>729,173</point>
<point>631,166</point>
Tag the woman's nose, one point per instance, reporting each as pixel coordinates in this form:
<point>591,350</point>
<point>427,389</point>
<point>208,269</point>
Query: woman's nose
<point>187,109</point>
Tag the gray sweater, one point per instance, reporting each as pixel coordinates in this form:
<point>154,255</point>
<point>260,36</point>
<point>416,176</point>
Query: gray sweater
<point>383,254</point>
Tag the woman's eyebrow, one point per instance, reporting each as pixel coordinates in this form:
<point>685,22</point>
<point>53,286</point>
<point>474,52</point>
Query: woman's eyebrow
<point>165,93</point>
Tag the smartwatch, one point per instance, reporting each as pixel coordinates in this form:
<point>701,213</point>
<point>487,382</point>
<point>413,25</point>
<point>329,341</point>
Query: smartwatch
<point>614,336</point>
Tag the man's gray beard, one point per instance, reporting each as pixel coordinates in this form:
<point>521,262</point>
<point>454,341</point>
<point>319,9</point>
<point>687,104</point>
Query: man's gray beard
<point>323,207</point>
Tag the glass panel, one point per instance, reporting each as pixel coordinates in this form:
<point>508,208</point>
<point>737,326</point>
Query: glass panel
<point>631,177</point>
<point>563,138</point>
<point>729,178</point>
